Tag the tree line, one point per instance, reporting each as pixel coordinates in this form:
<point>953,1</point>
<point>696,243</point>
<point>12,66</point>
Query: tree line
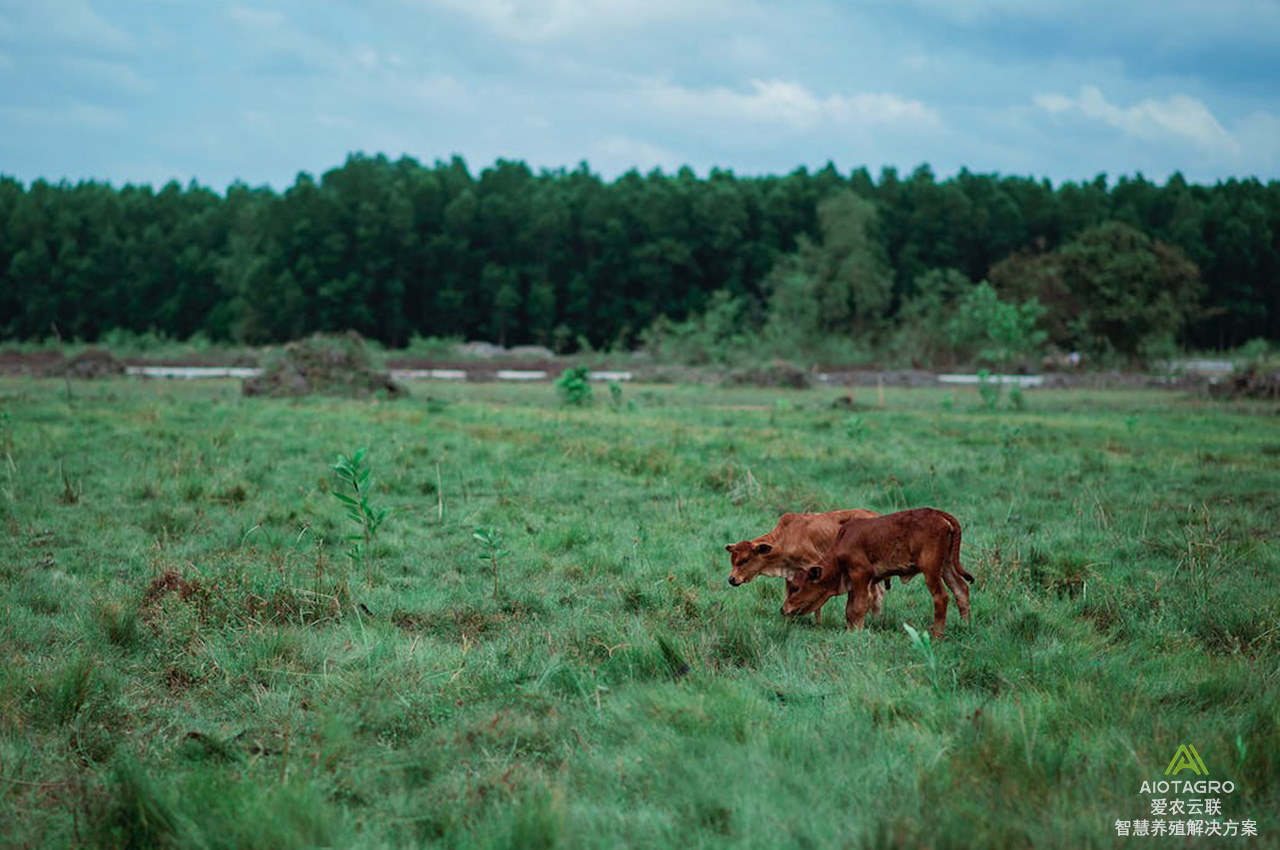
<point>565,258</point>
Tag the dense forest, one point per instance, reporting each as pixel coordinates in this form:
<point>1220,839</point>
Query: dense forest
<point>395,249</point>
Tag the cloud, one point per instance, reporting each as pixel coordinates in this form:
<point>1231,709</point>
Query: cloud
<point>1179,117</point>
<point>332,121</point>
<point>543,20</point>
<point>1259,134</point>
<point>442,90</point>
<point>258,20</point>
<point>106,74</point>
<point>71,23</point>
<point>1169,20</point>
<point>75,116</point>
<point>616,153</point>
<point>368,58</point>
<point>790,104</point>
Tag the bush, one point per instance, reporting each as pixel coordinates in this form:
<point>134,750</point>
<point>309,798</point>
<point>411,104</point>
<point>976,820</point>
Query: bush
<point>574,386</point>
<point>713,336</point>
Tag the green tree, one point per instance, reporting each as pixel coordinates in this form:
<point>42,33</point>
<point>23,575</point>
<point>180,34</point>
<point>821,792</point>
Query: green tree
<point>1136,294</point>
<point>995,332</point>
<point>718,334</point>
<point>838,286</point>
<point>920,336</point>
<point>394,248</point>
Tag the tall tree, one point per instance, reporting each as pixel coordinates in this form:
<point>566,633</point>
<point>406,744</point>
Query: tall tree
<point>1112,288</point>
<point>839,285</point>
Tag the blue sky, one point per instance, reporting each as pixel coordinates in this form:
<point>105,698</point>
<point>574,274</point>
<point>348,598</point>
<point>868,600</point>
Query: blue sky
<point>153,90</point>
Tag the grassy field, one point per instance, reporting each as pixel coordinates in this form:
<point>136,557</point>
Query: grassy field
<point>192,660</point>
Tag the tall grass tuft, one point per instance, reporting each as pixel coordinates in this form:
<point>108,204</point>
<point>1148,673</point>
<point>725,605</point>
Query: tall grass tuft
<point>537,822</point>
<point>119,624</point>
<point>922,645</point>
<point>134,812</point>
<point>69,688</point>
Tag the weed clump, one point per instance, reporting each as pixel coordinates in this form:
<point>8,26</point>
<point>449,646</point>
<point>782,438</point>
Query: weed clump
<point>132,811</point>
<point>356,476</point>
<point>119,625</point>
<point>574,386</point>
<point>323,364</point>
<point>170,582</point>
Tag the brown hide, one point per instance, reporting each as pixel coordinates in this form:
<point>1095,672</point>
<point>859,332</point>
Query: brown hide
<point>797,541</point>
<point>870,550</point>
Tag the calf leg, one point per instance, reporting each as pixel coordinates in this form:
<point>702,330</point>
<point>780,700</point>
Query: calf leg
<point>855,610</point>
<point>877,599</point>
<point>959,590</point>
<point>817,617</point>
<point>934,583</point>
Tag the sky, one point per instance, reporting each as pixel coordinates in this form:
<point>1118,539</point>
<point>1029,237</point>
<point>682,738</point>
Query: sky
<point>148,91</point>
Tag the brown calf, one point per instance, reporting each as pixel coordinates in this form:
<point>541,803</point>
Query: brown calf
<point>866,551</point>
<point>795,542</point>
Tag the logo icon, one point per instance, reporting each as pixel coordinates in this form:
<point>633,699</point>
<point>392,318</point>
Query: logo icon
<point>1186,758</point>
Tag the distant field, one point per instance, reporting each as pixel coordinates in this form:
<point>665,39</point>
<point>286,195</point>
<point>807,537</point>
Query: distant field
<point>191,660</point>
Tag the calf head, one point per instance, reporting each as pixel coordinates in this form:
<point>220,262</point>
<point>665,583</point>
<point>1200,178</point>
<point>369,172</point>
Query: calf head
<point>806,592</point>
<point>748,560</point>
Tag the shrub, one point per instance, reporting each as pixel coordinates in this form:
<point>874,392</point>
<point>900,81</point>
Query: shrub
<point>574,387</point>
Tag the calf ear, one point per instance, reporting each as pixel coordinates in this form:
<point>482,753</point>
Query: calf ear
<point>763,548</point>
<point>728,547</point>
<point>815,573</point>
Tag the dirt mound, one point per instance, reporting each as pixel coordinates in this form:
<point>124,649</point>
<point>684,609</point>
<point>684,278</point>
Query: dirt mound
<point>1254,381</point>
<point>90,363</point>
<point>778,373</point>
<point>170,582</point>
<point>325,364</point>
<point>846,402</point>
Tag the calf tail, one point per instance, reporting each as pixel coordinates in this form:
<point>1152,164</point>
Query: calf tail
<point>954,558</point>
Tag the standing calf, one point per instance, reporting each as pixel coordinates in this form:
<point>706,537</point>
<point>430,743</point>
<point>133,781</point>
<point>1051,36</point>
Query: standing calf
<point>867,551</point>
<point>795,542</point>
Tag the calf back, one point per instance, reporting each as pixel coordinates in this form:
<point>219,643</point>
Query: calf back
<point>795,542</point>
<point>901,543</point>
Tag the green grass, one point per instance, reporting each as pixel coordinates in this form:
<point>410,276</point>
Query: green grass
<point>191,660</point>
